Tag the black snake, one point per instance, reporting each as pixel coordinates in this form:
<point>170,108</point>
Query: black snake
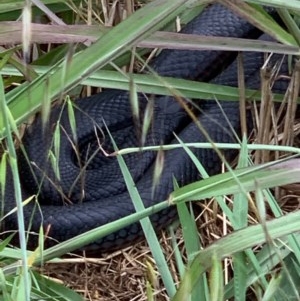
<point>95,195</point>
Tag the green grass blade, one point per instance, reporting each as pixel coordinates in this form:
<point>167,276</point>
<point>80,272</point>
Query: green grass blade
<point>147,227</point>
<point>112,44</point>
<point>12,159</point>
<point>233,243</point>
<point>226,183</point>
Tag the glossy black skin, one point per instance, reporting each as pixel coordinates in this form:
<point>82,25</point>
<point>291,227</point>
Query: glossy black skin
<point>105,198</point>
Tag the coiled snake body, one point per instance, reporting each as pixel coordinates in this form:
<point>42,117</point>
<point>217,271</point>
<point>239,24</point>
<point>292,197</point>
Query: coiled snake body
<point>81,199</point>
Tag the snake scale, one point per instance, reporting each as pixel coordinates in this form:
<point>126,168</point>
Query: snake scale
<point>80,199</point>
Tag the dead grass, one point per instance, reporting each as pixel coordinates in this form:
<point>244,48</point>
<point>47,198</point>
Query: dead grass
<point>122,275</point>
<point>126,275</point>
